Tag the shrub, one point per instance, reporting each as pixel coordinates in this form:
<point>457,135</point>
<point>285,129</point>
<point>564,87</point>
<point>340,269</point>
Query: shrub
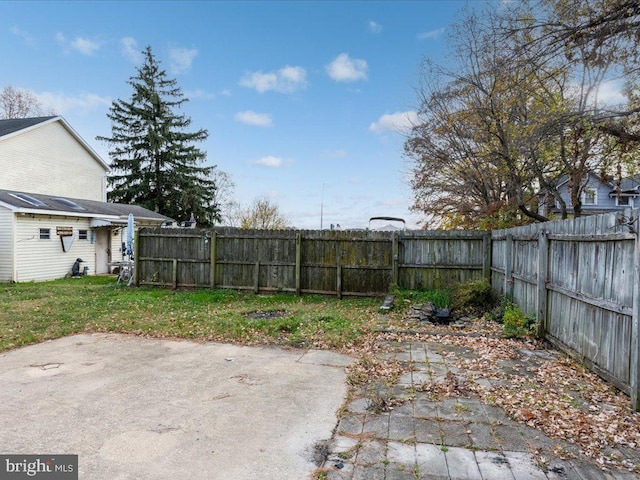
<point>474,295</point>
<point>515,323</point>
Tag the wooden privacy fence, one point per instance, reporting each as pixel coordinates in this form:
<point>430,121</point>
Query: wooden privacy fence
<point>324,262</point>
<point>581,278</point>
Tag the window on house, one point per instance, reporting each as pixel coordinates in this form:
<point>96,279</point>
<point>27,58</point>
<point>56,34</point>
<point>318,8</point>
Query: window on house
<point>622,201</point>
<point>82,235</point>
<point>589,197</point>
<point>45,234</point>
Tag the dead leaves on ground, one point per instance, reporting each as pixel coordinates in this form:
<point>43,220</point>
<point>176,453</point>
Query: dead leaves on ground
<point>541,389</point>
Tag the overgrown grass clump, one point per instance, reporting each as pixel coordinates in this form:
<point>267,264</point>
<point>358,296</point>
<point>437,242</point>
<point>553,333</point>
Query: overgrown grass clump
<point>441,298</point>
<point>33,312</point>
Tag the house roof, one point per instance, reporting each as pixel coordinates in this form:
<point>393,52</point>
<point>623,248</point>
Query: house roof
<point>17,126</point>
<point>12,125</point>
<point>75,207</point>
<point>565,178</point>
<point>629,183</point>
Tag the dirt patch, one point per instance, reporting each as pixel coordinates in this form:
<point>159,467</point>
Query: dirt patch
<point>260,315</point>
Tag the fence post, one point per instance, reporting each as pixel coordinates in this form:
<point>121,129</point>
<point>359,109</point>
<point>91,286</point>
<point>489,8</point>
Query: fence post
<point>486,256</point>
<point>634,370</point>
<point>508,267</point>
<point>174,274</point>
<point>136,257</point>
<point>543,265</point>
<point>394,259</point>
<point>339,282</point>
<point>256,278</point>
<point>298,262</point>
<point>214,255</point>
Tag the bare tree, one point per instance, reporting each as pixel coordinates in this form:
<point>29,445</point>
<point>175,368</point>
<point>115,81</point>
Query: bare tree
<point>473,148</point>
<point>263,214</point>
<point>20,103</point>
<point>511,115</point>
<point>588,34</point>
<point>223,197</point>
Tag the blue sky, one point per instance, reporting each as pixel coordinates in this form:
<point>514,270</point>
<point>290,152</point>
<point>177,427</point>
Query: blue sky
<point>298,97</point>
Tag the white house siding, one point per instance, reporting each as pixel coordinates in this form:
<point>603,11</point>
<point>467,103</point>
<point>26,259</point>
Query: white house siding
<point>38,260</point>
<point>49,160</point>
<point>6,244</point>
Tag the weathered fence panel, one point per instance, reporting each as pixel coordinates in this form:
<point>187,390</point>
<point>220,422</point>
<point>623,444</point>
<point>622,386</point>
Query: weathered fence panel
<point>325,262</point>
<point>439,259</point>
<point>580,278</point>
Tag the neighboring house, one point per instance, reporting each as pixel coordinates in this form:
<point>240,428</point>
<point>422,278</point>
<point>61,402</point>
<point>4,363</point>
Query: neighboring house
<point>45,155</point>
<point>53,205</point>
<point>598,196</point>
<point>42,235</point>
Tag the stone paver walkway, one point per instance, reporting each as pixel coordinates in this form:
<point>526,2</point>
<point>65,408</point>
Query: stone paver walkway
<point>449,438</point>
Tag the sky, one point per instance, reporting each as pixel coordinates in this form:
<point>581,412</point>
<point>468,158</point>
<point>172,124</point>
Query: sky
<point>307,103</point>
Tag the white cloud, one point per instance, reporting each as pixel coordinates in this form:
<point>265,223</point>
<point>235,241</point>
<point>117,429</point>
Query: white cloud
<point>226,92</point>
<point>79,44</point>
<point>374,27</point>
<point>25,36</point>
<point>270,162</point>
<point>250,117</point>
<point>610,94</point>
<point>286,80</point>
<point>180,59</point>
<point>130,49</point>
<point>432,34</point>
<point>399,122</point>
<point>60,102</point>
<point>347,69</point>
<point>85,46</point>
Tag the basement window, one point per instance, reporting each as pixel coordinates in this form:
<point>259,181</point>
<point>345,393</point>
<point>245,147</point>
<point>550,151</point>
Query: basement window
<point>82,235</point>
<point>45,234</point>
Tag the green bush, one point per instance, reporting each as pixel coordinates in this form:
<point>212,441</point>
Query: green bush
<point>515,323</point>
<point>474,295</point>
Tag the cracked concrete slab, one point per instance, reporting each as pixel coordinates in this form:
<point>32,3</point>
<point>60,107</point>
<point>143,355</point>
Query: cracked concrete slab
<point>135,408</point>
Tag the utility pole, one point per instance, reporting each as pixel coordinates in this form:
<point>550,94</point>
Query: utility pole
<point>322,207</point>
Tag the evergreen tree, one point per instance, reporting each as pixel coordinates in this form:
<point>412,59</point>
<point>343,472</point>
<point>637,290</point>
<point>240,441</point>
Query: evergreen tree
<point>154,161</point>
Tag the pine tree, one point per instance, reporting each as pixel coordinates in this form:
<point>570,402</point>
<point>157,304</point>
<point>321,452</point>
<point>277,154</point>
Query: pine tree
<point>154,161</point>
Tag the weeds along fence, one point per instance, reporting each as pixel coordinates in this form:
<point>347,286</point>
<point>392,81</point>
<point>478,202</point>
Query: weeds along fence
<point>581,279</point>
<point>341,263</point>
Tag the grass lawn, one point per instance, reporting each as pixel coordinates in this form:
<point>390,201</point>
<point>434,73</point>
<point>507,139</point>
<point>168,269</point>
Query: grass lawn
<point>33,312</point>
